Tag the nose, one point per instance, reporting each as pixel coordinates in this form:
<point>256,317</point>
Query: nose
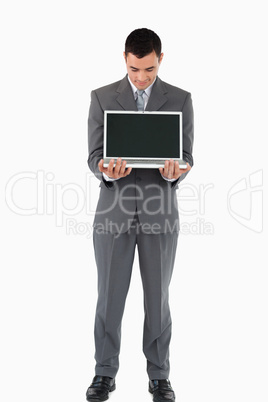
<point>142,76</point>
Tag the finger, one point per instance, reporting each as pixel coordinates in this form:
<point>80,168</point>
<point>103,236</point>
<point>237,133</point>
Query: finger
<point>110,168</point>
<point>166,167</point>
<point>117,167</point>
<point>187,168</point>
<point>127,171</point>
<point>176,169</point>
<point>122,168</point>
<point>171,169</point>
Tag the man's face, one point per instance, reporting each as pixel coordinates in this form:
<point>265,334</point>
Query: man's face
<point>142,72</point>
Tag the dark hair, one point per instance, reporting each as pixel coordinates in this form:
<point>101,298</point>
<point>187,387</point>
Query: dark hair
<point>142,42</point>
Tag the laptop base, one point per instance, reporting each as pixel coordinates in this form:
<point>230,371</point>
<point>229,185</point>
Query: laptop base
<point>147,164</point>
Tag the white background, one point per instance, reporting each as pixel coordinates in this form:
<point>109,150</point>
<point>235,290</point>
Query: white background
<point>53,54</point>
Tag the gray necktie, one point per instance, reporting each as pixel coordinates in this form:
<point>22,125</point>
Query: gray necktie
<point>140,100</point>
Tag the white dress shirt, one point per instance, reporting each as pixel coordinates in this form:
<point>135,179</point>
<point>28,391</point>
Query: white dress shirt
<point>146,95</point>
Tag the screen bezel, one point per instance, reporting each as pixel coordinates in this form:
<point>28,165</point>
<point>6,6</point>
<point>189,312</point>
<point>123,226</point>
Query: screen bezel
<point>107,112</point>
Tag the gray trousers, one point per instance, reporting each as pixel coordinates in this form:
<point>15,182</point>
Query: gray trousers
<point>114,258</point>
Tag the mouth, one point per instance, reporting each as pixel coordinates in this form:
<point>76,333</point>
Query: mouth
<point>142,83</point>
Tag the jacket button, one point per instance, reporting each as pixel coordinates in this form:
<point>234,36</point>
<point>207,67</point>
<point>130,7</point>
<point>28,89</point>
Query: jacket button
<point>138,179</point>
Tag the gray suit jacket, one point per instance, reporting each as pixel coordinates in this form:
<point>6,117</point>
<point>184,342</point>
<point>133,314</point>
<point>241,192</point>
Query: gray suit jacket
<point>144,190</point>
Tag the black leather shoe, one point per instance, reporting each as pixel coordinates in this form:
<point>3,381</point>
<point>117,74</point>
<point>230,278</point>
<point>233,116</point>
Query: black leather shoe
<point>100,388</point>
<point>161,390</point>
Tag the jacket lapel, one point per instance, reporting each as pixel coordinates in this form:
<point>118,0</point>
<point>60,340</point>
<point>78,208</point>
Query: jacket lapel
<point>156,101</point>
<point>125,97</point>
<point>157,98</point>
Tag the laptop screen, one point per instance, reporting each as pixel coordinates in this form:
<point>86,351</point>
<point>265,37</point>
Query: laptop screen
<point>143,135</point>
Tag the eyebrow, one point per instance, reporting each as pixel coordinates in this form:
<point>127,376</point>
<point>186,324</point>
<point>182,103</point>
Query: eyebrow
<point>148,68</point>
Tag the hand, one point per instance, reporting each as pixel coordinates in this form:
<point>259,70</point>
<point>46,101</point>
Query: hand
<point>172,169</point>
<point>115,172</point>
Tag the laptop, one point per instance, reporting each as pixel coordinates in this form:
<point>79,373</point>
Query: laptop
<point>143,139</point>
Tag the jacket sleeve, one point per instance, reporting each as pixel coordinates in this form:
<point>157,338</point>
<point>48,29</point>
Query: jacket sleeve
<point>188,133</point>
<point>95,135</point>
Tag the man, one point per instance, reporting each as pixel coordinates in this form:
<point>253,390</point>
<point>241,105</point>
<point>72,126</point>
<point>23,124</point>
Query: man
<point>136,207</point>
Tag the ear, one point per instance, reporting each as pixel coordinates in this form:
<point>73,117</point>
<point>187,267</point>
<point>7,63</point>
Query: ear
<point>161,58</point>
<point>125,57</point>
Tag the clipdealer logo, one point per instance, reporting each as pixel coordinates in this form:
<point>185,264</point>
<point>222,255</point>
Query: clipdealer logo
<point>245,201</point>
<point>37,193</point>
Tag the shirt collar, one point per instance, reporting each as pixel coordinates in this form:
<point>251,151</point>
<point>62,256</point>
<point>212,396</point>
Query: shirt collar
<point>147,90</point>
